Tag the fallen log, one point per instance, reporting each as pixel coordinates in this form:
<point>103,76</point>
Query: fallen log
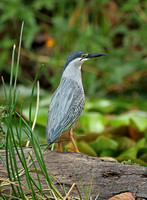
<point>109,178</point>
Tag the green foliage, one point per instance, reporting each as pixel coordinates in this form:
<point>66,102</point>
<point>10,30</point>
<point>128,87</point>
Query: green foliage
<point>117,28</point>
<point>124,142</point>
<point>92,122</point>
<point>86,149</point>
<point>137,119</point>
<point>103,143</point>
<point>101,105</point>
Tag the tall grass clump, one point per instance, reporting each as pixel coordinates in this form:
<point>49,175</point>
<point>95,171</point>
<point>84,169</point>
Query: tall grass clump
<point>15,125</point>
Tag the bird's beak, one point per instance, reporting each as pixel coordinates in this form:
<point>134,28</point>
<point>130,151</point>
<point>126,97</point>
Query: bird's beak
<point>93,55</point>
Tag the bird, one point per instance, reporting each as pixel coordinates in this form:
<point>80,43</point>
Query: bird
<point>67,102</point>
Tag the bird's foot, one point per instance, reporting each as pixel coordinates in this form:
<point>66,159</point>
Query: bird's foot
<point>76,151</point>
<point>59,147</point>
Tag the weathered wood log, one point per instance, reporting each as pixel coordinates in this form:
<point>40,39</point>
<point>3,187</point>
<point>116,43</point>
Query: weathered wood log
<point>109,178</point>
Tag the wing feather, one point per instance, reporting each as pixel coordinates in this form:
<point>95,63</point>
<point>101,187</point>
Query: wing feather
<point>65,108</point>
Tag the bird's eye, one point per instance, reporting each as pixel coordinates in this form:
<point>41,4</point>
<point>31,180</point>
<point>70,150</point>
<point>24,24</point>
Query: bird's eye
<point>83,56</point>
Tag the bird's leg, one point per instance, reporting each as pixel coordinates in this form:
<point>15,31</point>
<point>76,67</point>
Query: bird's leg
<point>73,142</point>
<point>59,147</point>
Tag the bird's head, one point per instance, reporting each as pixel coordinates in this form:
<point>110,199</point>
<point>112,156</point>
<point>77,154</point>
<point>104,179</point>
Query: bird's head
<point>77,58</point>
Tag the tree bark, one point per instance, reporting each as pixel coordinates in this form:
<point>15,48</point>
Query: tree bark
<point>109,178</point>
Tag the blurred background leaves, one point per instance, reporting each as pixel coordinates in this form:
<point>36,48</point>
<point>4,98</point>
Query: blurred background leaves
<point>114,123</point>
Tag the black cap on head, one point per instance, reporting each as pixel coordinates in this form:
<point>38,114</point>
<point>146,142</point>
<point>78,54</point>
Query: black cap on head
<point>71,57</point>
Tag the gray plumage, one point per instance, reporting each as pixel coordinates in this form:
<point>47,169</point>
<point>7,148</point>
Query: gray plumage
<point>67,103</point>
<point>66,110</point>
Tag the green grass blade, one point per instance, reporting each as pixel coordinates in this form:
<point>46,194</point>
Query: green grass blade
<point>28,177</point>
<point>24,164</point>
<point>97,196</point>
<point>18,58</point>
<point>39,156</point>
<point>91,185</point>
<point>11,77</point>
<point>43,167</point>
<point>7,161</point>
<point>11,196</point>
<point>31,97</point>
<point>39,181</point>
<point>13,162</point>
<point>2,159</point>
<point>5,92</point>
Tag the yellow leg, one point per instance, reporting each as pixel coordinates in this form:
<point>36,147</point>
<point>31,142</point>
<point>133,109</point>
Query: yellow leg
<point>73,142</point>
<point>59,147</point>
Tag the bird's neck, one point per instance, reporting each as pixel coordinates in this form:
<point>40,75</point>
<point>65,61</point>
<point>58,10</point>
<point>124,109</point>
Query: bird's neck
<point>74,74</point>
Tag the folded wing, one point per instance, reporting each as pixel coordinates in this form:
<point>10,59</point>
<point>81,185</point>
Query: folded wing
<point>65,108</point>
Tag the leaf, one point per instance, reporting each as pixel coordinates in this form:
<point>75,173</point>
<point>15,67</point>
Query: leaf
<point>102,105</point>
<point>92,122</point>
<point>109,159</point>
<point>124,119</point>
<point>120,120</point>
<point>104,143</point>
<point>86,149</point>
<point>123,196</point>
<point>107,153</point>
<point>131,153</point>
<point>124,142</point>
<point>142,154</point>
<point>141,143</point>
<point>139,122</point>
<point>143,157</point>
